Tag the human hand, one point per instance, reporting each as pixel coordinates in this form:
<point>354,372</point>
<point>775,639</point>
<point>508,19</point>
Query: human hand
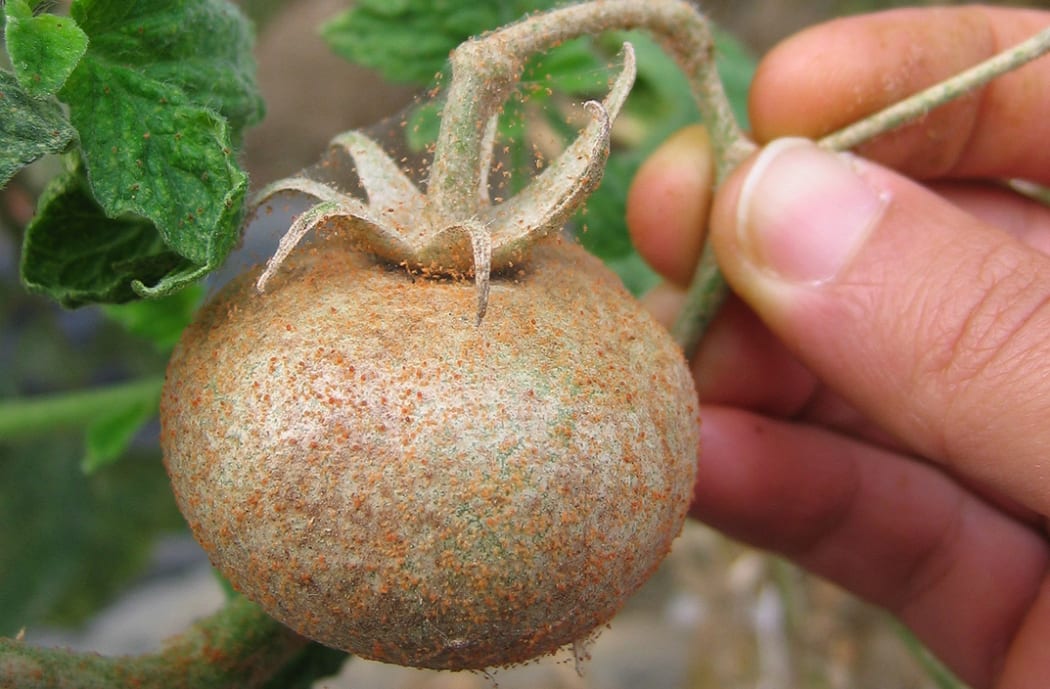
<point>876,402</point>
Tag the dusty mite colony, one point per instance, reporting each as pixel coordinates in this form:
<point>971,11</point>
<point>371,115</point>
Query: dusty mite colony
<point>464,465</point>
<point>387,477</point>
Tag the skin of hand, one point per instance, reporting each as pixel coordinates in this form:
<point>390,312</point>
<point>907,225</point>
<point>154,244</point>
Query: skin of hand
<point>876,395</point>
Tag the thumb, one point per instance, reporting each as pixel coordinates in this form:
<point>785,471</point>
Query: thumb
<point>931,322</point>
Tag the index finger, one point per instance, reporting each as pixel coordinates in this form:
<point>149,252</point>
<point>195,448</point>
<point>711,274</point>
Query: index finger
<point>836,73</point>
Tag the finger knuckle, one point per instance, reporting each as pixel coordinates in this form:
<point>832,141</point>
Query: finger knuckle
<point>989,342</point>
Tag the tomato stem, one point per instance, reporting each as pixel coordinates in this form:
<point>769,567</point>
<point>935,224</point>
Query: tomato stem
<point>238,646</point>
<point>485,70</point>
<point>916,106</point>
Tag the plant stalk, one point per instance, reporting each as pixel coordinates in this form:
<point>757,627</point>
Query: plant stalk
<point>239,647</point>
<point>923,102</point>
<point>485,70</point>
<point>26,417</point>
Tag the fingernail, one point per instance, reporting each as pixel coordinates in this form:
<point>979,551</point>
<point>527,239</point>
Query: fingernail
<point>803,211</point>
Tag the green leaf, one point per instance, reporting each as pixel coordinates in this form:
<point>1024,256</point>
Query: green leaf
<point>423,125</point>
<point>197,50</point>
<point>409,40</point>
<point>39,415</point>
<point>69,542</point>
<point>150,153</point>
<point>161,321</point>
<point>109,436</point>
<point>635,273</point>
<point>76,255</point>
<point>159,100</point>
<point>604,230</point>
<point>574,67</point>
<point>44,48</point>
<point>29,128</point>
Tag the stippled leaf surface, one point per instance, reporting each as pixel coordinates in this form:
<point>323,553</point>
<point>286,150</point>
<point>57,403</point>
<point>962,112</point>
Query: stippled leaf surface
<point>44,48</point>
<point>201,49</point>
<point>77,255</point>
<point>159,100</point>
<point>29,127</point>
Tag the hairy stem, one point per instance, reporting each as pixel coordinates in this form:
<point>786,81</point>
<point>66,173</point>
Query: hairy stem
<point>937,95</point>
<point>706,294</point>
<point>239,647</point>
<point>708,289</point>
<point>484,70</point>
<point>25,417</point>
<point>1036,192</point>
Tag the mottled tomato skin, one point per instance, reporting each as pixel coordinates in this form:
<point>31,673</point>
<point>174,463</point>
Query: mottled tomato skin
<point>387,477</point>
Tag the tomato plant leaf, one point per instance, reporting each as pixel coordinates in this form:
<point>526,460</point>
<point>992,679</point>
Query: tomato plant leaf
<point>161,321</point>
<point>109,436</point>
<point>199,49</point>
<point>70,543</point>
<point>151,153</point>
<point>44,48</point>
<point>159,100</point>
<point>574,67</point>
<point>408,41</point>
<point>29,128</point>
<point>76,255</point>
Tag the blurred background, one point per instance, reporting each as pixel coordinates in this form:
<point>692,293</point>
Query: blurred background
<point>101,560</point>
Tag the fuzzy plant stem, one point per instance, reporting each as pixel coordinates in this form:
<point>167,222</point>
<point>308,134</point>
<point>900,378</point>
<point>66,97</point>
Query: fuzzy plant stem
<point>708,289</point>
<point>923,102</point>
<point>485,70</point>
<point>239,647</point>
